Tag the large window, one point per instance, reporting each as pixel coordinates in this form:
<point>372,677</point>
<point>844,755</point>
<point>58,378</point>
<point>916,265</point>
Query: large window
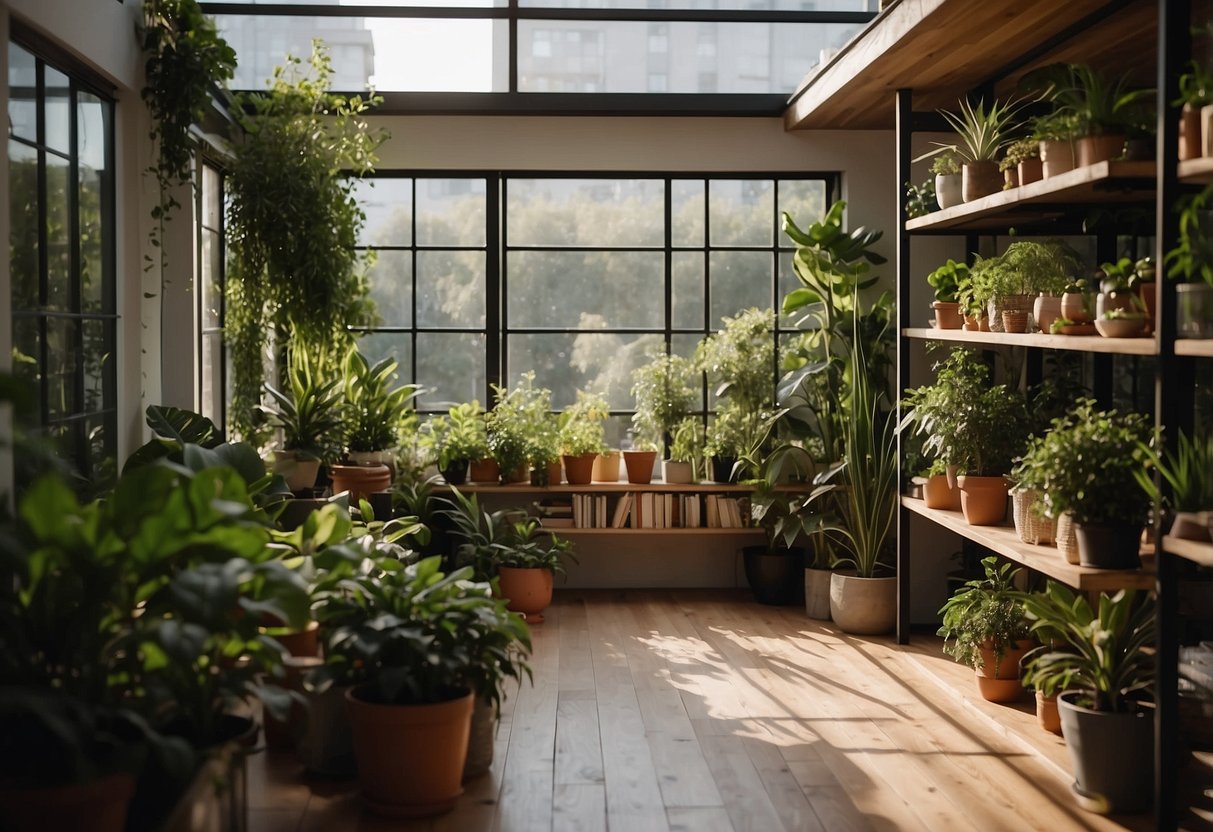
<point>61,252</point>
<point>481,278</point>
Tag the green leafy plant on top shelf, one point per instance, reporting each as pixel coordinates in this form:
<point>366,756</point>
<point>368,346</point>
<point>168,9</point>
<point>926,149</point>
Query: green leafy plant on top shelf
<point>983,132</point>
<point>459,435</point>
<point>1187,470</point>
<point>1195,86</point>
<point>920,199</point>
<point>310,417</point>
<point>1095,103</point>
<point>987,613</point>
<point>1025,268</point>
<point>948,281</point>
<point>738,434</point>
<point>1020,150</point>
<point>293,223</point>
<point>740,359</point>
<point>1105,653</point>
<point>945,163</point>
<point>1192,257</point>
<point>518,423</point>
<point>687,444</point>
<point>582,425</point>
<point>665,392</point>
<point>377,413</point>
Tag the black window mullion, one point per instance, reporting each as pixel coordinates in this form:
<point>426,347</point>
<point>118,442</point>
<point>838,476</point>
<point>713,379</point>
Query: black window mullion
<point>75,289</point>
<point>494,341</point>
<point>504,305</point>
<point>669,265</point>
<point>413,278</point>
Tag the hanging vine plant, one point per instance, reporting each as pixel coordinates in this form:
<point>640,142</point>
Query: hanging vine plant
<point>293,223</point>
<point>185,59</point>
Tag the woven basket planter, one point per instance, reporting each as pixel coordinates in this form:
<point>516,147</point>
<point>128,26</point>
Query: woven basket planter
<point>1031,526</point>
<point>1067,538</point>
<point>1008,303</point>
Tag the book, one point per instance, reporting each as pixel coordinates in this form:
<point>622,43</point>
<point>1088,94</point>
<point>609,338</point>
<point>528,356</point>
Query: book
<point>556,522</point>
<point>622,509</point>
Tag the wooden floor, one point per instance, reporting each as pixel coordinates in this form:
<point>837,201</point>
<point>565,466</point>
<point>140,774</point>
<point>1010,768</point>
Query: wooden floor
<point>703,711</point>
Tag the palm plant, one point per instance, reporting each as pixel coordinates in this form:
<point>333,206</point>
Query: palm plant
<point>983,132</point>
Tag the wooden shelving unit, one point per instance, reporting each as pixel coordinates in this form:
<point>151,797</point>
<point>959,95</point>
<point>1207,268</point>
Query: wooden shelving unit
<point>1039,340</point>
<point>1197,171</point>
<point>1192,550</point>
<point>1047,199</point>
<point>751,532</point>
<point>611,488</point>
<point>1198,348</point>
<point>1044,559</point>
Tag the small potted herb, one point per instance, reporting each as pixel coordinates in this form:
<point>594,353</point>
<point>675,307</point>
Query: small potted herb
<point>1192,261</point>
<point>457,439</point>
<point>947,281</point>
<point>1022,160</point>
<point>948,181</point>
<point>582,436</point>
<point>665,395</point>
<point>511,425</point>
<point>686,452</point>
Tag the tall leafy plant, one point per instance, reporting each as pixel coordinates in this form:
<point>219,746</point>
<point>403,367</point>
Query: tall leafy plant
<point>293,222</point>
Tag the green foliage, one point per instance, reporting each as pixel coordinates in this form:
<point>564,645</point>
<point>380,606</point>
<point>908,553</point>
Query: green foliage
<point>1195,86</point>
<point>740,359</point>
<point>581,425</point>
<point>1105,655</point>
<point>788,516</point>
<point>526,546</point>
<point>1187,470</point>
<point>947,281</point>
<point>920,199</point>
<point>967,422</point>
<point>1055,127</point>
<point>416,636</point>
<point>376,412</point>
<point>1025,268</point>
<point>738,433</point>
<point>1192,257</point>
<point>945,163</point>
<point>460,435</point>
<point>983,132</point>
<point>293,222</point>
<point>987,613</point>
<point>665,392</point>
<point>311,416</point>
<point>1088,464</point>
<point>519,425</point>
<point>1020,150</point>
<point>1093,103</point>
<point>687,442</point>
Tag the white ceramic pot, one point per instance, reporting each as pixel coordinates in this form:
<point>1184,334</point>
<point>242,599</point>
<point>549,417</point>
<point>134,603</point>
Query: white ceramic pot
<point>863,606</point>
<point>679,473</point>
<point>949,189</point>
<point>300,473</point>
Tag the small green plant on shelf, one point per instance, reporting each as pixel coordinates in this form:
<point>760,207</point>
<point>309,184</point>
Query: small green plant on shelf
<point>948,281</point>
<point>1187,470</point>
<point>734,433</point>
<point>1192,258</point>
<point>582,425</point>
<point>459,436</point>
<point>985,614</point>
<point>311,415</point>
<point>687,444</point>
<point>1021,150</point>
<point>665,392</point>
<point>1094,103</point>
<point>518,422</point>
<point>946,163</point>
<point>983,131</point>
<point>920,199</point>
<point>1025,268</point>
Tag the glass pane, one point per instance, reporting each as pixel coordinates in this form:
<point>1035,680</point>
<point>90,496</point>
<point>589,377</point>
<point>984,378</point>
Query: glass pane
<point>388,204</point>
<point>687,269</point>
<point>738,5</point>
<point>451,212</point>
<point>210,405</point>
<point>804,199</point>
<point>23,224</point>
<point>451,367</point>
<point>27,350</point>
<point>567,362</point>
<point>586,290</point>
<point>100,466</point>
<point>22,93</point>
<point>97,358</point>
<point>740,279</point>
<point>686,197</point>
<point>390,54</point>
<point>585,212</point>
<point>392,287</point>
<point>684,344</point>
<point>692,57</point>
<point>212,197</point>
<point>91,196</point>
<point>787,282</point>
<point>740,212</point>
<point>62,367</point>
<point>58,275</point>
<point>450,288</point>
<point>376,346</point>
<point>211,280</point>
<point>58,110</point>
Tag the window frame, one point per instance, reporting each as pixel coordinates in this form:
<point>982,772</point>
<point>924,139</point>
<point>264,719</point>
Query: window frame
<point>204,158</point>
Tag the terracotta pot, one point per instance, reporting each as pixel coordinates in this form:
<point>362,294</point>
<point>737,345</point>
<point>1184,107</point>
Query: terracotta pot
<point>998,681</point>
<point>1046,309</point>
<point>520,474</point>
<point>555,472</point>
<point>980,179</point>
<point>606,467</point>
<point>99,806</point>
<point>640,466</point>
<point>863,606</point>
<point>947,315</point>
<point>480,742</point>
<point>817,593</point>
<point>484,471</point>
<point>1189,133</point>
<point>677,472</point>
<point>1014,322</point>
<point>1095,149</point>
<point>305,642</point>
<point>579,470</point>
<point>949,189</point>
<point>300,473</point>
<point>984,323</point>
<point>360,480</point>
<point>983,500</point>
<point>936,493</point>
<point>410,757</point>
<point>1056,157</point>
<point>529,591</point>
<point>1067,538</point>
<point>1007,303</point>
<point>1030,170</point>
<point>1076,307</point>
<point>1047,716</point>
<point>1010,178</point>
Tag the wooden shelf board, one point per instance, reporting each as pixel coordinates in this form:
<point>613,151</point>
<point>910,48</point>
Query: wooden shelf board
<point>1197,171</point>
<point>1099,183</point>
<point>608,488</point>
<point>941,49</point>
<point>1044,559</point>
<point>1192,550</point>
<point>1076,343</point>
<point>703,530</point>
<point>1199,347</point>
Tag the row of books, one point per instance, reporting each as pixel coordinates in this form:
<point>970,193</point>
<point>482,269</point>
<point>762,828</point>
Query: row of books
<point>644,510</point>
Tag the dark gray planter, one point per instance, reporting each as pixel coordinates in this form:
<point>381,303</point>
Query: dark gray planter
<point>1113,756</point>
<point>775,575</point>
<point>1109,545</point>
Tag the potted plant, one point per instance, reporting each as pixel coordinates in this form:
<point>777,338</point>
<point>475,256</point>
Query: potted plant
<point>1103,108</point>
<point>1195,93</point>
<point>512,424</point>
<point>416,647</point>
<point>582,434</point>
<point>1103,659</point>
<point>1055,133</point>
<point>310,418</point>
<point>740,360</point>
<point>1192,261</point>
<point>733,441</point>
<point>937,491</point>
<point>949,184</point>
<point>686,453</point>
<point>1096,456</point>
<point>543,451</point>
<point>985,626</point>
<point>376,415</point>
<point>920,199</point>
<point>983,133</point>
<point>1022,159</point>
<point>458,439</point>
<point>526,561</point>
<point>1008,282</point>
<point>1188,472</point>
<point>947,281</point>
<point>665,395</point>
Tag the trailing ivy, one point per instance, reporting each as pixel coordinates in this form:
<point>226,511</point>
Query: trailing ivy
<point>293,223</point>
